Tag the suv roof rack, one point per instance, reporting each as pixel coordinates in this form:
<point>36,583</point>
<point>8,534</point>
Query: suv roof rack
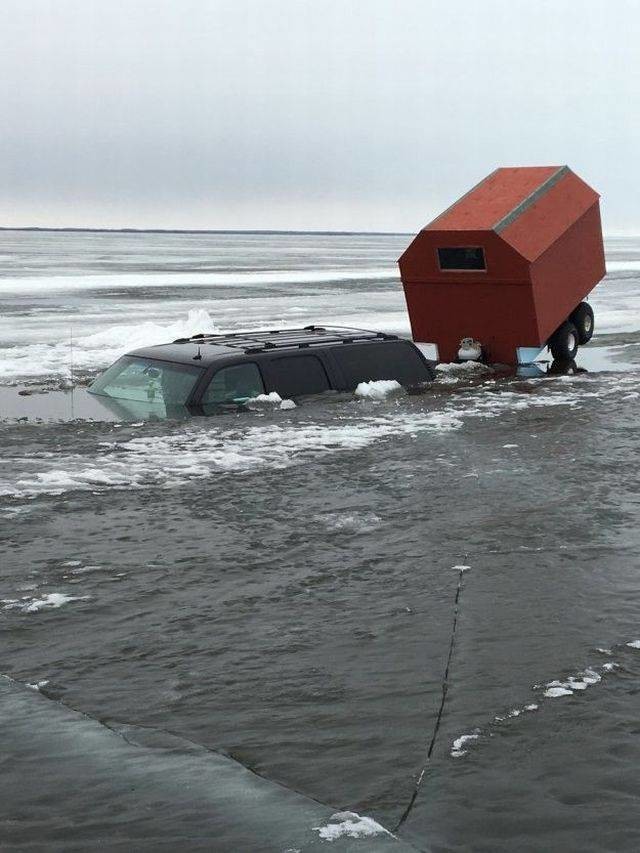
<point>269,339</point>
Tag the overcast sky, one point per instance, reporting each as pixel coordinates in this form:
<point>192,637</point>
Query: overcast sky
<point>318,114</point>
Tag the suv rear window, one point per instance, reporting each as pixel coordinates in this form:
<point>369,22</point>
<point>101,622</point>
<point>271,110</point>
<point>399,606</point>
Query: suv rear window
<point>397,360</point>
<point>299,374</point>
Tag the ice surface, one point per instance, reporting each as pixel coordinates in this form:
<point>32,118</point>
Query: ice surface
<point>109,314</point>
<point>28,286</point>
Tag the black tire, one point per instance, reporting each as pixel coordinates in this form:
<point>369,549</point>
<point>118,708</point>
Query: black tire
<point>564,342</point>
<point>582,319</point>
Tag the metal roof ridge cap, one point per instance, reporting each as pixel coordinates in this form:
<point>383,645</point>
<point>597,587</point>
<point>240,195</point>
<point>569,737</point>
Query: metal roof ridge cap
<point>534,196</point>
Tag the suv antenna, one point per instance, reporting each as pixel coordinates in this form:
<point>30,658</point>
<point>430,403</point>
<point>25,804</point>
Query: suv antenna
<point>198,356</point>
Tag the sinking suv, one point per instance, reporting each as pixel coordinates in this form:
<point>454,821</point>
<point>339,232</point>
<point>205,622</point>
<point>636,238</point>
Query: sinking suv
<point>207,372</point>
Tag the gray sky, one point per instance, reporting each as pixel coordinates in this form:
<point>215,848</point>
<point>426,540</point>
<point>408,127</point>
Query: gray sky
<point>320,114</point>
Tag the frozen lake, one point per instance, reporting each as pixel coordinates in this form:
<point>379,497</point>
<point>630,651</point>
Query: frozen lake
<point>278,587</point>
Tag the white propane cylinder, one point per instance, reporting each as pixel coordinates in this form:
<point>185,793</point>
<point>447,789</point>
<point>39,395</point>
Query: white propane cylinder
<point>470,350</point>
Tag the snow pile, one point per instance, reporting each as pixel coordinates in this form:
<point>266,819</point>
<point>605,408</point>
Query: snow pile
<point>377,389</point>
<point>272,400</point>
<point>96,350</point>
<point>349,825</point>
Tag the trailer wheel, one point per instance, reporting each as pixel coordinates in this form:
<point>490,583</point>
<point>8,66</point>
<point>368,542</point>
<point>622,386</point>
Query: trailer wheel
<point>564,342</point>
<point>582,319</point>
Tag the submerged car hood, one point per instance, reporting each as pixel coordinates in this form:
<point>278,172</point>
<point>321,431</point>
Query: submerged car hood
<point>37,404</point>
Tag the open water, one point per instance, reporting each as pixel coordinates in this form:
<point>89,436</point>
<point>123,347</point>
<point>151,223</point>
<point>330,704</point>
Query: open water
<point>278,587</point>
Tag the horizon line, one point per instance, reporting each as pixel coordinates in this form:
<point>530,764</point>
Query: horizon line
<point>273,231</point>
<point>125,230</point>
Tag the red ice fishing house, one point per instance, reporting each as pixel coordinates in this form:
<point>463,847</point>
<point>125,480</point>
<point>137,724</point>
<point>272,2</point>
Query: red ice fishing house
<point>507,266</point>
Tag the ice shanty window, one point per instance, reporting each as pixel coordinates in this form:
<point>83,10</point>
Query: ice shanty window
<point>459,258</point>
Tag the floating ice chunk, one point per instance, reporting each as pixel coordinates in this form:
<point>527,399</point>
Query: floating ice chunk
<point>590,676</point>
<point>52,600</point>
<point>609,666</point>
<point>349,825</point>
<point>604,651</point>
<point>634,644</point>
<point>515,712</point>
<point>37,685</point>
<point>271,397</point>
<point>555,692</point>
<point>378,389</point>
<point>510,446</point>
<point>287,404</point>
<point>457,747</point>
<point>350,522</point>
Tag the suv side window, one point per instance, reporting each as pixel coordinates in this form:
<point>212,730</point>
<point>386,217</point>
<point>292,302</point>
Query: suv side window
<point>393,360</point>
<point>299,374</point>
<point>233,384</point>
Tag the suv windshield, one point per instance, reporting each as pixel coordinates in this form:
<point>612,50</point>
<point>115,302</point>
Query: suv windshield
<point>145,380</point>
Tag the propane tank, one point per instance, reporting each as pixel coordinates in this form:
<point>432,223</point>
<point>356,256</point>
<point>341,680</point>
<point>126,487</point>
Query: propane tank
<point>470,350</point>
